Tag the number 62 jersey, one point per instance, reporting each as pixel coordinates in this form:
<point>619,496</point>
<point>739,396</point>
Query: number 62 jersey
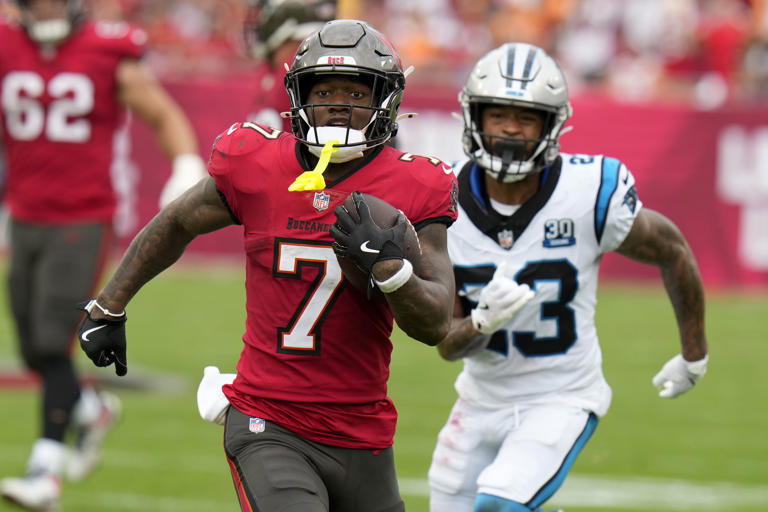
<point>59,117</point>
<point>549,352</point>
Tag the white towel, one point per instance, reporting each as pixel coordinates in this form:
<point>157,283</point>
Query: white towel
<point>211,401</point>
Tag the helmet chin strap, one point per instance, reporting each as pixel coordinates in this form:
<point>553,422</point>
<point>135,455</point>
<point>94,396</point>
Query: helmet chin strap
<point>49,31</point>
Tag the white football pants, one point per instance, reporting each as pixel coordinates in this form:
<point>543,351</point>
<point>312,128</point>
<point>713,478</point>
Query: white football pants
<point>521,453</point>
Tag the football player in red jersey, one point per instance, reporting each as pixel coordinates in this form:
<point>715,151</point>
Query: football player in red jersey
<point>310,426</point>
<point>65,83</point>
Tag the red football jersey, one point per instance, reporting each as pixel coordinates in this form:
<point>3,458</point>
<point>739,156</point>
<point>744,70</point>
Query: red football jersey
<point>317,352</point>
<point>59,116</point>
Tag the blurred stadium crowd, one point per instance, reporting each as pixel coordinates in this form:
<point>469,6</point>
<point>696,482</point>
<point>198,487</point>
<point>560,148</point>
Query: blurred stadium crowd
<point>700,52</point>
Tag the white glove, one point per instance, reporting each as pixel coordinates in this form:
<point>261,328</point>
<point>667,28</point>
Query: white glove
<point>678,376</point>
<point>188,169</point>
<point>211,401</point>
<point>499,301</point>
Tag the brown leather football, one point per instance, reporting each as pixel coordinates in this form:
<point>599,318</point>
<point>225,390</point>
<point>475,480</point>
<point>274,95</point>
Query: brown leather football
<point>385,216</point>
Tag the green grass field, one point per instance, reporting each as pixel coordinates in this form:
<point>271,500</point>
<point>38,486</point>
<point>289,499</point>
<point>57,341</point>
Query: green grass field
<point>707,450</point>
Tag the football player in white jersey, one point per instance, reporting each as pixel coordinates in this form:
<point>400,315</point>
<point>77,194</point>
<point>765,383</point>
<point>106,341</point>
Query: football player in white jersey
<point>532,229</point>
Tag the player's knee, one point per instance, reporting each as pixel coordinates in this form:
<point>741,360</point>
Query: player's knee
<point>45,351</point>
<point>490,503</point>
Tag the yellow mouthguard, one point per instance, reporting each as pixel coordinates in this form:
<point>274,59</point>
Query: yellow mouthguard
<point>313,180</point>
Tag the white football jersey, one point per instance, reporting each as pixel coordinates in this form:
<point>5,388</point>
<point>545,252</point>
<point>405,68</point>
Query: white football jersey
<point>549,351</point>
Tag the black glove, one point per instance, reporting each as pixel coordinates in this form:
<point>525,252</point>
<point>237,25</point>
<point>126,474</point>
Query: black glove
<point>103,340</point>
<point>364,242</point>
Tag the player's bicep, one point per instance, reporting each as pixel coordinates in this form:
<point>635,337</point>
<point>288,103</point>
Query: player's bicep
<point>653,239</point>
<point>201,209</point>
<point>435,264</point>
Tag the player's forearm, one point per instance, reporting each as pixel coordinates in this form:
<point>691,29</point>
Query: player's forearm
<point>656,240</point>
<point>686,293</point>
<point>154,249</point>
<point>462,340</point>
<point>422,309</point>
<point>682,280</point>
<point>423,306</point>
<point>174,133</point>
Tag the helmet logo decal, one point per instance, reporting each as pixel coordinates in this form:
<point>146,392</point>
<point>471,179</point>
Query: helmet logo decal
<point>347,60</point>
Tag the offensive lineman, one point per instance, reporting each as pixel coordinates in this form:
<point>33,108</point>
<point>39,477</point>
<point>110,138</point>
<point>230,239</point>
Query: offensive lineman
<point>310,426</point>
<point>65,82</point>
<point>533,226</point>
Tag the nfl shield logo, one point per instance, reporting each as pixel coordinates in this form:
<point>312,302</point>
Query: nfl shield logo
<point>256,425</point>
<point>321,201</point>
<point>506,238</point>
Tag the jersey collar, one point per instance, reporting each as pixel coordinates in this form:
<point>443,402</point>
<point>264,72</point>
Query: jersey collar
<point>473,198</point>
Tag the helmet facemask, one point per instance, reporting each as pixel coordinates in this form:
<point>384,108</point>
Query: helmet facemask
<point>51,31</point>
<point>518,75</point>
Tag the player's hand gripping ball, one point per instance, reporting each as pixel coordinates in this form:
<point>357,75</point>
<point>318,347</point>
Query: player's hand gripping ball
<point>368,230</point>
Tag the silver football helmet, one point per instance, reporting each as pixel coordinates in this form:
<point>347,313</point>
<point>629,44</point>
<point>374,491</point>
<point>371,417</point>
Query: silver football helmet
<point>516,74</point>
<point>353,48</point>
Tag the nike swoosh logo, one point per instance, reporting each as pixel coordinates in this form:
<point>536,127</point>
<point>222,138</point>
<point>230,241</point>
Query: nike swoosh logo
<point>626,179</point>
<point>447,170</point>
<point>364,247</point>
<point>89,331</point>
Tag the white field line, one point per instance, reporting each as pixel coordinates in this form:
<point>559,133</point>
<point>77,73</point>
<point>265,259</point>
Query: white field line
<point>597,492</point>
<point>589,491</point>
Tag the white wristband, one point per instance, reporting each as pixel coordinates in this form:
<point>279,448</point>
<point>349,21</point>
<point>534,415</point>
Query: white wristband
<point>89,307</point>
<point>397,280</point>
<point>189,165</point>
<point>697,367</point>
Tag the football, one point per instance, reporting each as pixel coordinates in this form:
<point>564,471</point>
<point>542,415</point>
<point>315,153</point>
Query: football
<point>385,216</point>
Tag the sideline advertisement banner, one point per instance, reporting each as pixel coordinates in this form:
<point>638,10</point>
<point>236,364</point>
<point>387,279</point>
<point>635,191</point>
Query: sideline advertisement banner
<point>705,170</point>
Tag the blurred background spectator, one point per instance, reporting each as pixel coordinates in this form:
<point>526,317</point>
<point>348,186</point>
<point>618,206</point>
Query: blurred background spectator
<point>701,52</point>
